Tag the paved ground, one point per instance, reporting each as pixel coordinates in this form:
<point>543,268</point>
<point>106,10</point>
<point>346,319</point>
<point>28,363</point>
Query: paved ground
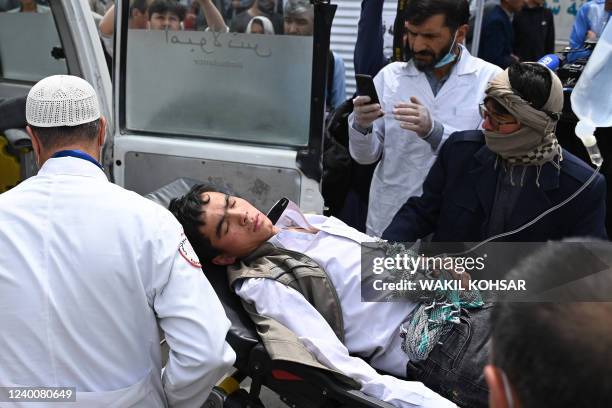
<point>270,399</point>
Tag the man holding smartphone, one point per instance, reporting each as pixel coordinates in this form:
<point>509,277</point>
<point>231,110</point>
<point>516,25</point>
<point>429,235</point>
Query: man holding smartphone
<point>422,102</point>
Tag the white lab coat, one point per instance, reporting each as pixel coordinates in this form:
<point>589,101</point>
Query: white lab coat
<point>406,158</point>
<point>87,272</point>
<point>371,329</point>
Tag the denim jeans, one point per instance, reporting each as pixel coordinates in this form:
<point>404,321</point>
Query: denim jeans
<point>454,368</point>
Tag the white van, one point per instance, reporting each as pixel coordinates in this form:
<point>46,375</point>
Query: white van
<point>241,110</point>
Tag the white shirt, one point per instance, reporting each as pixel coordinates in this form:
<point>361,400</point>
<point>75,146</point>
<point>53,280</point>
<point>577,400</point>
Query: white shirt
<point>87,272</point>
<point>405,157</point>
<point>371,328</point>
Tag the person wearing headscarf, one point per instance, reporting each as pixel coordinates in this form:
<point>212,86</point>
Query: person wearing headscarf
<point>260,25</point>
<point>265,8</point>
<point>494,181</point>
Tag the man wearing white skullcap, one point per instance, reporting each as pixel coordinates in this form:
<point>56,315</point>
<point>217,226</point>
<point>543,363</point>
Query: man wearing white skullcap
<point>89,273</point>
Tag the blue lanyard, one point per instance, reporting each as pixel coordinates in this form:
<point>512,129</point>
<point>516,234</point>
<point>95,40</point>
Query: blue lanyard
<point>79,155</point>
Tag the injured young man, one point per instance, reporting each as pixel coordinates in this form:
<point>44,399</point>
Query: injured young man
<point>326,313</point>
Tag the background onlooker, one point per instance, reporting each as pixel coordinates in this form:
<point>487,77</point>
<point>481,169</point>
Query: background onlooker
<point>496,38</point>
<point>260,25</point>
<point>487,7</point>
<point>236,7</point>
<point>368,56</point>
<point>422,102</point>
<point>554,354</point>
<point>29,6</point>
<point>534,31</point>
<point>100,6</point>
<point>166,15</point>
<point>590,21</point>
<point>138,20</point>
<point>259,8</point>
<point>299,20</point>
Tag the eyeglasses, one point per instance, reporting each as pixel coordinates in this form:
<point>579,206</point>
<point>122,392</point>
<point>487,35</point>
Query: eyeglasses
<point>484,113</point>
<point>502,125</point>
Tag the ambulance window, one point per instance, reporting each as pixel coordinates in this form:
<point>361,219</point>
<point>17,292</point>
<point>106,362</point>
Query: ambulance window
<point>245,87</point>
<point>30,48</point>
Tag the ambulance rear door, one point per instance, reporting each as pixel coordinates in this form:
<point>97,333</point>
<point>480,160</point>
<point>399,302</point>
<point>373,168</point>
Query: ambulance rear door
<point>239,111</point>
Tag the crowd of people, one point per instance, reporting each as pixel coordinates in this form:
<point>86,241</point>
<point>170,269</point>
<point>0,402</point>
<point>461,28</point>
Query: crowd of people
<point>465,149</point>
<point>291,17</point>
<point>524,30</point>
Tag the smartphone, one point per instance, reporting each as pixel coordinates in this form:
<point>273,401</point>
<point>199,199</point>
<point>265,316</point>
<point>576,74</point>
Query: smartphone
<point>277,209</point>
<point>365,86</point>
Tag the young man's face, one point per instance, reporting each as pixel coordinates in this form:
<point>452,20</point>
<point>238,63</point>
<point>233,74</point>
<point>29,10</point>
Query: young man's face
<point>163,21</point>
<point>234,226</point>
<point>430,41</point>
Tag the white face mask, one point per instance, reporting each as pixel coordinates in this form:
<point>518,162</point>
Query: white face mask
<point>450,55</point>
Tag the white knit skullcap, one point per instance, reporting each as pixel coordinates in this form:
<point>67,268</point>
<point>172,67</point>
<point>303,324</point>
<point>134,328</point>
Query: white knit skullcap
<point>61,100</point>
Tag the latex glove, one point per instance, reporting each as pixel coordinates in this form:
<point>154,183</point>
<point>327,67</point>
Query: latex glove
<point>365,113</point>
<point>414,116</point>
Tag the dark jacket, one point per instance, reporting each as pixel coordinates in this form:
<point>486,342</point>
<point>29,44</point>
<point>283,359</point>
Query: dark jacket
<point>368,56</point>
<point>459,192</point>
<point>496,38</point>
<point>534,33</point>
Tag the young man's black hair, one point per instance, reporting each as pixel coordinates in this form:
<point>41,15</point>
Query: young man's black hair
<point>456,12</point>
<point>140,5</point>
<point>167,6</point>
<point>531,82</point>
<point>189,211</point>
<point>558,354</point>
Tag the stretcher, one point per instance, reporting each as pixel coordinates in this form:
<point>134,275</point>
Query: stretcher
<point>297,385</point>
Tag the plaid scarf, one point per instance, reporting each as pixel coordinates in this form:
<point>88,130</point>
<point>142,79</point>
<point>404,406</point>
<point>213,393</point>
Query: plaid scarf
<point>547,152</point>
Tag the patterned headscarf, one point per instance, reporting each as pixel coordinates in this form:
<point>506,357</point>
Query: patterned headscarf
<point>535,142</point>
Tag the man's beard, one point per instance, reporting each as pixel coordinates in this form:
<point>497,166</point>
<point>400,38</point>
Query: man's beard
<point>435,58</point>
